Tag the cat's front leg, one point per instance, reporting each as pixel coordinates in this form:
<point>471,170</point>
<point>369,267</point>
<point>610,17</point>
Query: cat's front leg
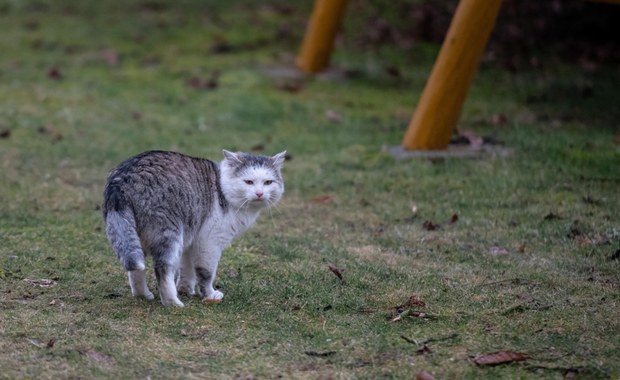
<point>166,256</point>
<point>206,268</point>
<point>206,279</point>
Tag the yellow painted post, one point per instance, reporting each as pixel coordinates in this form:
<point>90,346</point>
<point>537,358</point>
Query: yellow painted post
<point>440,106</point>
<point>320,34</point>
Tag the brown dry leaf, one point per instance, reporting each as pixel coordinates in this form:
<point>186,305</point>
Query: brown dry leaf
<point>414,300</point>
<point>430,226</point>
<point>322,199</point>
<point>337,272</point>
<point>500,357</point>
<point>54,73</point>
<point>499,119</point>
<point>49,130</point>
<point>423,375</point>
<point>290,87</point>
<point>454,218</point>
<point>209,83</point>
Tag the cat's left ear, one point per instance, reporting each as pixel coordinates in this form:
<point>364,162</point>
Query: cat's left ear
<point>278,159</point>
<point>231,156</point>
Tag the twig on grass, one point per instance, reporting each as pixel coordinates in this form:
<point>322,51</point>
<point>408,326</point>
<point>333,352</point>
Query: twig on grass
<point>320,354</point>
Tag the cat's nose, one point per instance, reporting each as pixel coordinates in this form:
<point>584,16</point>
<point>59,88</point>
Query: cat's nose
<point>259,194</point>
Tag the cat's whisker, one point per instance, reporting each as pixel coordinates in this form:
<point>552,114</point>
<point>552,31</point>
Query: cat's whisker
<point>245,202</point>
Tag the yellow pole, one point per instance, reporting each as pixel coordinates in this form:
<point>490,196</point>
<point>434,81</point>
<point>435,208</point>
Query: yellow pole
<point>320,34</point>
<point>440,106</point>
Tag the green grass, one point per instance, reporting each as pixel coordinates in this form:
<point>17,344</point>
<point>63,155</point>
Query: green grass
<point>550,208</point>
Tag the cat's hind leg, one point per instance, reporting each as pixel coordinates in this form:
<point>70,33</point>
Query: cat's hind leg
<point>187,276</point>
<point>166,256</point>
<point>137,282</point>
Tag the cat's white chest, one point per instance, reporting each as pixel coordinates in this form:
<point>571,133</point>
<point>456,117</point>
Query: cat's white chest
<point>224,227</point>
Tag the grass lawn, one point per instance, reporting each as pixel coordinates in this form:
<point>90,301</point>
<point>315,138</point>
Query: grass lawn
<point>441,261</point>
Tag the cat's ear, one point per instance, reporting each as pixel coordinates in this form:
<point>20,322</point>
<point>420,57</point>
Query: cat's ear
<point>278,159</point>
<point>232,157</point>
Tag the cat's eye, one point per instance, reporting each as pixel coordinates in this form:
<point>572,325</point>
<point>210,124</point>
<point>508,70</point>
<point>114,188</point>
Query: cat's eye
<point>268,182</point>
<point>248,182</point>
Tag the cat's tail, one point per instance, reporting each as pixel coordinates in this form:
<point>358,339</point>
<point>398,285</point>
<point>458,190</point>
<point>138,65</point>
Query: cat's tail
<point>121,231</point>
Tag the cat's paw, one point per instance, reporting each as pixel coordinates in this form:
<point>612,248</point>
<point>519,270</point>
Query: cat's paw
<point>146,294</point>
<point>149,296</point>
<point>215,297</point>
<point>172,302</point>
<point>186,289</point>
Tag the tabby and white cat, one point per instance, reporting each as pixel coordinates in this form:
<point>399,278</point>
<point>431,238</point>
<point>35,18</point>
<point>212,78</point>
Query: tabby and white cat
<point>183,211</point>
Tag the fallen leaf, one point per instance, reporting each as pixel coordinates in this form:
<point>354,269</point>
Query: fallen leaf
<point>336,271</point>
<point>500,357</point>
<point>209,83</point>
<point>552,216</point>
<point>573,230</point>
<point>209,301</point>
<point>258,147</point>
<point>322,199</point>
<point>430,226</point>
<point>423,375</point>
<point>414,300</point>
<point>591,201</point>
<point>455,218</point>
<point>49,130</point>
<point>54,73</point>
<point>290,86</point>
<point>393,72</point>
<point>222,46</point>
<point>499,119</point>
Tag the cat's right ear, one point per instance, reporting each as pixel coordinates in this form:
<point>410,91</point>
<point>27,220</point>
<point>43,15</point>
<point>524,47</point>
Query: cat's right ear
<point>233,158</point>
<point>278,159</point>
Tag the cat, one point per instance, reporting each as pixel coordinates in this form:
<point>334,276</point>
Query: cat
<point>183,211</point>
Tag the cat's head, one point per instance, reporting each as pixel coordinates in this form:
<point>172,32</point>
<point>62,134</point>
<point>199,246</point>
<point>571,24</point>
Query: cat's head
<point>250,180</point>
